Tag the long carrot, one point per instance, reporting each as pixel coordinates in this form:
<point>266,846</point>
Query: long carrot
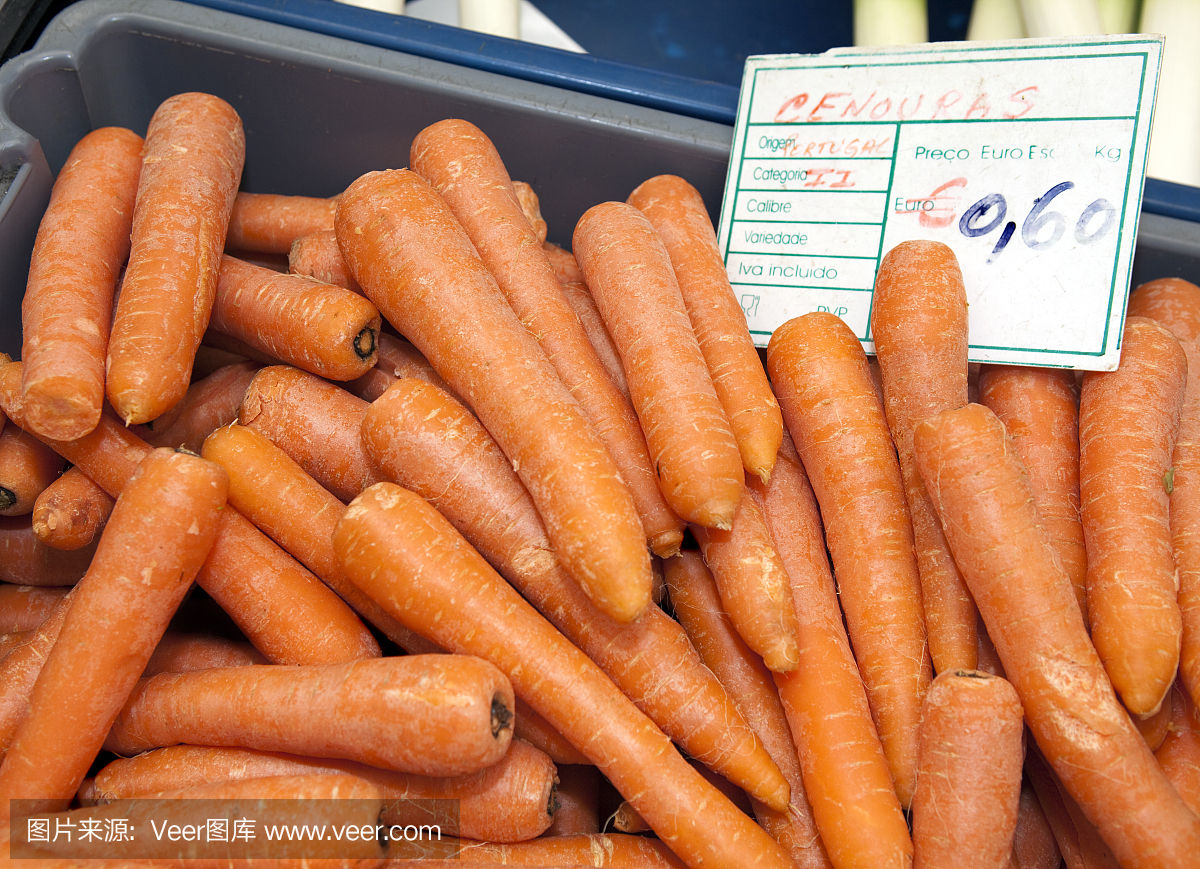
<point>978,486</point>
<point>71,511</point>
<point>1040,409</point>
<point>677,211</point>
<point>919,326</point>
<point>581,301</point>
<point>460,162</point>
<point>160,532</point>
<point>388,223</point>
<point>628,271</point>
<point>271,222</point>
<point>1128,420</point>
<point>972,754</point>
<point>821,376</point>
<point>66,312</point>
<point>409,557</point>
<point>191,168</point>
<point>424,440</point>
<point>27,467</point>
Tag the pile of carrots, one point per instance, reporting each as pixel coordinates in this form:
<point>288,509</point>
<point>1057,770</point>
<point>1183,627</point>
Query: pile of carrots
<point>540,532</point>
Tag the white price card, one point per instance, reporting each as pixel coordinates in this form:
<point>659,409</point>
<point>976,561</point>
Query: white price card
<point>1026,158</point>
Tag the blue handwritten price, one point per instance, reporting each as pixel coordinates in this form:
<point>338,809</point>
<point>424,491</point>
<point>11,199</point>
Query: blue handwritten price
<point>1043,227</point>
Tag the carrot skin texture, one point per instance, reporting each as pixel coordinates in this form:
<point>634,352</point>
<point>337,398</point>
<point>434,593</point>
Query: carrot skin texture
<point>210,402</point>
<point>972,755</point>
<point>20,669</point>
<point>317,255</point>
<point>27,467</point>
<point>25,607</point>
<point>1034,845</point>
<point>179,652</point>
<point>1179,753</point>
<point>581,301</point>
<point>160,532</point>
<point>461,163</point>
<point>70,513</point>
<point>389,541</point>
<point>1174,302</point>
<point>919,326</point>
<point>978,485</point>
<point>27,560</point>
<point>191,167</point>
<point>387,225</point>
<point>271,222</point>
<point>396,358</point>
<point>1128,421</point>
<point>834,416</point>
<point>66,312</point>
<point>677,212</point>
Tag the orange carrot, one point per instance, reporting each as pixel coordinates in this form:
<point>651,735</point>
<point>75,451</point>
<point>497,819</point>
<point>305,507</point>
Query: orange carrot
<point>1034,845</point>
<point>969,772</point>
<point>66,312</point>
<point>160,532</point>
<point>395,358</point>
<point>531,727</point>
<point>318,327</point>
<point>1179,753</point>
<point>831,410</point>
<point>1128,419</point>
<point>409,557</point>
<point>677,211</point>
<point>317,255</point>
<point>429,714</point>
<point>1079,841</point>
<point>566,269</point>
<point>1174,302</point>
<point>1040,409</point>
<point>388,224</point>
<point>628,271</point>
<point>191,168</point>
<point>581,301</point>
<point>27,467</point>
<point>71,511</point>
<point>460,162</point>
<point>919,326</point>
<point>210,402</point>
<point>26,560</point>
<point>180,652</point>
<point>531,207</point>
<point>978,485</point>
<point>20,669</point>
<point>424,440</point>
<point>24,607</point>
<point>270,222</point>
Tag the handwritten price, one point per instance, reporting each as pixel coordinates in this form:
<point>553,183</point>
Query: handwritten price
<point>1042,227</point>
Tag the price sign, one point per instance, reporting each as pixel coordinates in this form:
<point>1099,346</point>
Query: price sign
<point>1027,158</point>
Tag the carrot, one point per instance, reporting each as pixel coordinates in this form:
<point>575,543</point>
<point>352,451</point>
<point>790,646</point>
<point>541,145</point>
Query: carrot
<point>460,162</point>
<point>978,485</point>
<point>208,404</point>
<point>321,328</point>
<point>835,419</point>
<point>1154,728</point>
<point>919,326</point>
<point>71,511</point>
<point>20,669</point>
<point>618,850</point>
<point>1128,419</point>
<point>317,255</point>
<point>271,490</point>
<point>1179,753</point>
<point>191,168</point>
<point>531,207</point>
<point>180,652</point>
<point>1079,840</point>
<point>566,268</point>
<point>160,532</point>
<point>424,440</point>
<point>970,762</point>
<point>395,358</point>
<point>1174,302</point>
<point>697,604</point>
<point>581,301</point>
<point>82,243</point>
<point>27,467</point>
<point>271,222</point>
<point>1040,409</point>
<point>26,560</point>
<point>24,607</point>
<point>677,211</point>
<point>430,714</point>
<point>286,612</point>
<point>531,727</point>
<point>628,271</point>
<point>1034,845</point>
<point>842,762</point>
<point>387,225</point>
<point>577,812</point>
<point>405,554</point>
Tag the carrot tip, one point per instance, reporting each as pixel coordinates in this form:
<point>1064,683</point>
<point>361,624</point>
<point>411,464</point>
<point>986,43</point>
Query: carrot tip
<point>666,544</point>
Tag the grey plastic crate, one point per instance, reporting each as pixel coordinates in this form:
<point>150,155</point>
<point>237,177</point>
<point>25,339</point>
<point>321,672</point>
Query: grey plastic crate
<point>318,112</point>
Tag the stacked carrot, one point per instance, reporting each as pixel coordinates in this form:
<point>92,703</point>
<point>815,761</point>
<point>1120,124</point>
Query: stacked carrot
<point>457,479</point>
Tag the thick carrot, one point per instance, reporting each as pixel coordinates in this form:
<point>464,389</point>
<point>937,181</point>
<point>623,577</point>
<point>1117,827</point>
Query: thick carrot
<point>677,211</point>
<point>27,467</point>
<point>1179,753</point>
<point>318,327</point>
<point>531,207</point>
<point>979,488</point>
<point>1128,419</point>
<point>71,511</point>
<point>430,714</point>
<point>20,669</point>
<point>406,555</point>
<point>1040,409</point>
<point>24,607</point>
<point>388,225</point>
<point>830,407</point>
<point>210,402</point>
<point>289,614</point>
<point>1034,845</point>
<point>462,165</point>
<point>581,301</point>
<point>317,255</point>
<point>845,772</point>
<point>697,604</point>
<point>160,532</point>
<point>919,326</point>
<point>395,358</point>
<point>969,772</point>
<point>191,168</point>
<point>427,442</point>
<point>628,271</point>
<point>271,222</point>
<point>1174,302</point>
<point>82,243</point>
<point>180,652</point>
<point>26,560</point>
